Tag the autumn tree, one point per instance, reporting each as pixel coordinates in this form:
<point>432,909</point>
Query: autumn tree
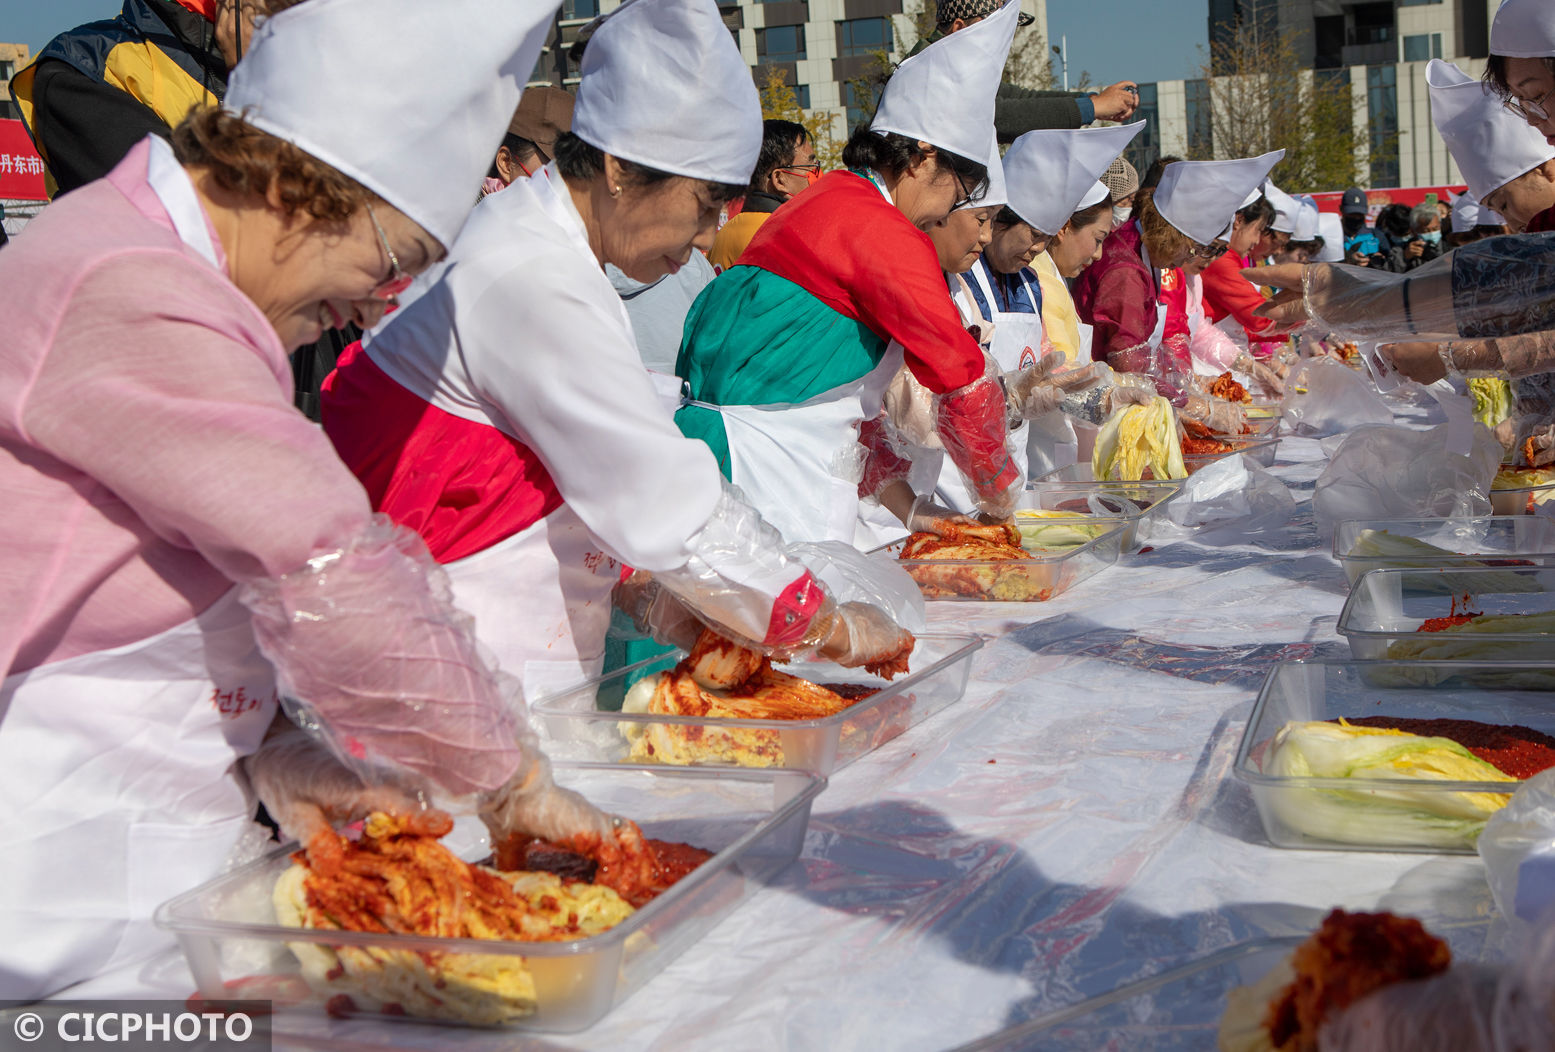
<point>1028,65</point>
<point>1263,99</point>
<point>778,102</point>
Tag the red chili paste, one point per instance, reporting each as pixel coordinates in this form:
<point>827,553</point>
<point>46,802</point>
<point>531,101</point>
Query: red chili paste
<point>1516,751</point>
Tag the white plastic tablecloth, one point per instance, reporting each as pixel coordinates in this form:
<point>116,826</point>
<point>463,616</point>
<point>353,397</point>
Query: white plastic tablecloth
<point>1070,826</point>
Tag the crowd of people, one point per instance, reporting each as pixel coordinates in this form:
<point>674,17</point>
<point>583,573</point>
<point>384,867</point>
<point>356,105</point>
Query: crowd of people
<point>630,349</point>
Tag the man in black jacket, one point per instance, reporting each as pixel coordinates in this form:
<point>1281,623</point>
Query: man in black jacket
<point>170,56</point>
<point>1018,110</point>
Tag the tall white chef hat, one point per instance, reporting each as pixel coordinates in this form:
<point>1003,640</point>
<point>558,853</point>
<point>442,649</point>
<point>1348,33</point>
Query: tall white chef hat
<point>1285,208</point>
<point>664,85</point>
<point>1201,198</point>
<point>944,94</point>
<point>997,193</point>
<point>1468,213</point>
<point>1492,146</point>
<point>1331,229</point>
<point>336,79</point>
<point>1523,29</point>
<point>1306,220</point>
<point>1052,173</point>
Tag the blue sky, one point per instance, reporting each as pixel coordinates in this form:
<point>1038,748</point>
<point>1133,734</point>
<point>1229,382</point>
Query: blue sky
<point>1141,40</point>
<point>1111,39</point>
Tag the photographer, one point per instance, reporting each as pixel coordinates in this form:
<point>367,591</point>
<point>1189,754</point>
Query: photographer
<point>1422,244</point>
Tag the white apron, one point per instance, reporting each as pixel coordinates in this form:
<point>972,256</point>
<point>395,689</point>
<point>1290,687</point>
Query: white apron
<point>1047,442</point>
<point>118,768</point>
<point>800,463</point>
<point>541,602</point>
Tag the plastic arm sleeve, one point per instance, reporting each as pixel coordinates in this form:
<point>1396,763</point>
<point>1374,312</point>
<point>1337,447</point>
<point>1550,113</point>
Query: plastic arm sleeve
<point>1517,356</point>
<point>1495,287</point>
<point>372,655</point>
<point>973,427</point>
<point>883,464</point>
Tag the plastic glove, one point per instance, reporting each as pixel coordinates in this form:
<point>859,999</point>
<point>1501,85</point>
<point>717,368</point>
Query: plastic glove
<point>1421,362</point>
<point>1041,388</point>
<point>1214,413</point>
<point>865,635</point>
<point>1121,396</point>
<point>927,516</point>
<point>656,611</point>
<point>308,792</point>
<point>533,805</point>
<point>1538,447</point>
<point>972,427</point>
<point>1261,373</point>
<point>1450,1012</point>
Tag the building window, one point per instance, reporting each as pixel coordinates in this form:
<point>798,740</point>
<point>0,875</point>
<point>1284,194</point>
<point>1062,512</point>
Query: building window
<point>1422,47</point>
<point>859,109</point>
<point>9,112</point>
<point>780,43</point>
<point>7,69</point>
<point>802,95</point>
<point>572,9</point>
<point>864,36</point>
<point>1382,109</point>
<point>1201,119</point>
<point>1418,3</point>
<point>1146,147</point>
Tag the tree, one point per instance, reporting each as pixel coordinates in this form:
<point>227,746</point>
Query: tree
<point>778,102</point>
<point>1028,65</point>
<point>1266,101</point>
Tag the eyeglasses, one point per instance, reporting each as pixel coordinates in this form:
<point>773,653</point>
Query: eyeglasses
<point>1530,110</point>
<point>966,197</point>
<point>804,169</point>
<point>397,281</point>
<point>1209,253</point>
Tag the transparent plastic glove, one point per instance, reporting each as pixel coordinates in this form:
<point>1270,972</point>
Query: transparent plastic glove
<point>308,792</point>
<point>656,611</point>
<point>884,462</point>
<point>1214,413</point>
<point>928,516</point>
<point>1261,373</point>
<point>1041,388</point>
<point>1450,1012</point>
<point>372,655</point>
<point>1421,362</point>
<point>1538,446</point>
<point>533,805</point>
<point>1121,396</point>
<point>865,635</point>
<point>972,426</point>
<point>1513,356</point>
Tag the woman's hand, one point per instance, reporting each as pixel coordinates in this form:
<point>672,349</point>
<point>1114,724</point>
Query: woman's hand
<point>1421,362</point>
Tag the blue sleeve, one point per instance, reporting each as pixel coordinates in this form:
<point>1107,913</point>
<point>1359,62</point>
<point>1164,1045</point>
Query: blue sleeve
<point>1087,104</point>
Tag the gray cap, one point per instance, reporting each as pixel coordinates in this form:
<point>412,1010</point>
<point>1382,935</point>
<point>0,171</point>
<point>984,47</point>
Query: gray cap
<point>1354,202</point>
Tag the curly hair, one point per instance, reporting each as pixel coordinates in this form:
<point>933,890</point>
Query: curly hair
<point>245,160</point>
<point>1162,240</point>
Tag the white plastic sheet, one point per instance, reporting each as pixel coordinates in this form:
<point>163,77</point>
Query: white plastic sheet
<point>1390,472</point>
<point>1326,397</point>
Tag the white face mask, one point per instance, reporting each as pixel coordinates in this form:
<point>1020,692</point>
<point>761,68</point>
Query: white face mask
<point>1120,215</point>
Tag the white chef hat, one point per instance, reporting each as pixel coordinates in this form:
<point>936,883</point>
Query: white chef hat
<point>1468,213</point>
<point>664,85</point>
<point>944,94</point>
<point>1285,208</point>
<point>1306,220</point>
<point>1331,229</point>
<point>336,79</point>
<point>1052,173</point>
<point>1523,29</point>
<point>1201,198</point>
<point>1492,146</point>
<point>997,194</point>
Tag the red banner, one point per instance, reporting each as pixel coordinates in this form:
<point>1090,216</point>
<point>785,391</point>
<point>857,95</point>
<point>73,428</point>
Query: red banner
<point>21,169</point>
<point>1377,200</point>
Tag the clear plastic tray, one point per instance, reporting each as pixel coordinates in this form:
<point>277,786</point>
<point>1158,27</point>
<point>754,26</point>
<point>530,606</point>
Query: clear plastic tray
<point>1520,500</point>
<point>754,820</point>
<point>1257,410</point>
<point>1044,575</point>
<point>1147,491</point>
<point>580,724</point>
<point>1299,691</point>
<point>1178,1010</point>
<point>1485,539</point>
<point>1137,505</point>
<point>1388,606</point>
<point>1260,451</point>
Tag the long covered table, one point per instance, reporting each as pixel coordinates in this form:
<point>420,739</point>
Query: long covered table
<point>1070,826</point>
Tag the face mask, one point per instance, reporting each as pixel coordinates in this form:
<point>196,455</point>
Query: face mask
<point>1432,237</point>
<point>1120,215</point>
